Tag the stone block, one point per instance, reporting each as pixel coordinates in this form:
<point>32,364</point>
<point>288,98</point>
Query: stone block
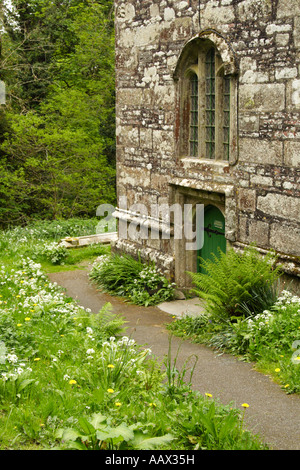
<point>133,97</point>
<point>262,97</point>
<point>128,136</point>
<point>259,233</point>
<point>249,123</point>
<point>243,230</point>
<point>288,8</point>
<point>260,151</point>
<point>286,73</point>
<point>284,239</point>
<point>145,138</point>
<point>212,16</point>
<point>125,12</point>
<point>292,153</point>
<point>261,181</point>
<point>295,94</point>
<point>248,10</point>
<point>133,176</point>
<point>282,39</point>
<point>279,205</point>
<point>163,141</point>
<point>247,199</point>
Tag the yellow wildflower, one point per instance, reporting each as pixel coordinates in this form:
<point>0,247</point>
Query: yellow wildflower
<point>37,359</point>
<point>110,390</point>
<point>27,319</point>
<point>245,405</point>
<point>277,369</point>
<point>72,382</point>
<point>111,366</point>
<point>209,395</point>
<point>118,403</point>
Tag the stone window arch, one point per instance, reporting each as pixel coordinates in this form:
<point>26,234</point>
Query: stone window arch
<point>206,108</point>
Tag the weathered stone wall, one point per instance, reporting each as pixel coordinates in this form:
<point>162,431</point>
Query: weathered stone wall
<point>262,199</point>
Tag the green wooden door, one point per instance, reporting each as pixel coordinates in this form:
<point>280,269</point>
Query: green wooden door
<point>214,235</point>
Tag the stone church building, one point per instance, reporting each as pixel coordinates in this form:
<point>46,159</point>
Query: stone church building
<point>208,115</point>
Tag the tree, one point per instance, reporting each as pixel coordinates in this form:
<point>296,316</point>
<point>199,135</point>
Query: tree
<point>57,156</point>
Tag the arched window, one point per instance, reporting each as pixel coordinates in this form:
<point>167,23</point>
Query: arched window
<point>206,111</point>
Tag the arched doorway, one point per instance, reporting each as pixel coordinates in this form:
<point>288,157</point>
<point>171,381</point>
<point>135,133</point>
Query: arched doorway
<point>214,235</point>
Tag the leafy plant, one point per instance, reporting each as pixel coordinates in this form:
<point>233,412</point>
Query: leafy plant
<point>176,382</point>
<point>141,283</point>
<point>98,433</point>
<point>54,252</point>
<point>237,284</point>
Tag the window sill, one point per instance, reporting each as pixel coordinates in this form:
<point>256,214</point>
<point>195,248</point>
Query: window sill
<point>189,161</point>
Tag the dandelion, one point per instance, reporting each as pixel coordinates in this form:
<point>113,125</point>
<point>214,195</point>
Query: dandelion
<point>209,395</point>
<point>27,319</point>
<point>19,324</point>
<point>277,369</point>
<point>245,405</point>
<point>72,382</point>
<point>118,404</point>
<point>152,404</point>
<point>287,385</point>
<point>37,359</point>
<point>110,390</point>
<point>111,366</point>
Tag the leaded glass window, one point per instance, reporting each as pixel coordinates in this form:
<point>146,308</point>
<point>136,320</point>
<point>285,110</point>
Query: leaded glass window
<point>210,104</point>
<point>194,115</point>
<point>209,107</point>
<point>226,117</point>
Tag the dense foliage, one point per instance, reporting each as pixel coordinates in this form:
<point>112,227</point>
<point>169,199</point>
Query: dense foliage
<point>57,148</point>
<point>141,283</point>
<point>72,380</point>
<point>246,314</point>
<point>237,283</point>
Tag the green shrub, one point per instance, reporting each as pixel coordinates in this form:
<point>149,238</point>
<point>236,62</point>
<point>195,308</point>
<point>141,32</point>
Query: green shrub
<point>53,252</point>
<point>237,284</point>
<point>114,273</point>
<point>141,283</point>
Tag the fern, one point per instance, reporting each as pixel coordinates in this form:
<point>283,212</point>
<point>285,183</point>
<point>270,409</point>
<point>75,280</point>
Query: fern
<point>108,322</point>
<point>235,284</point>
